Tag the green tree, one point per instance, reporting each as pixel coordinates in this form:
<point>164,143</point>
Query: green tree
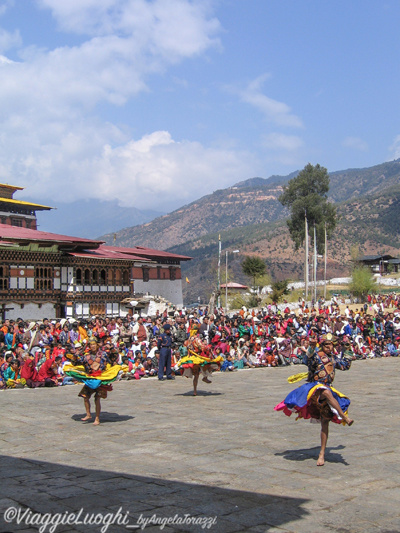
<point>355,252</point>
<point>253,301</point>
<point>279,289</point>
<point>362,282</point>
<point>237,302</point>
<point>263,280</point>
<point>254,267</point>
<point>307,196</point>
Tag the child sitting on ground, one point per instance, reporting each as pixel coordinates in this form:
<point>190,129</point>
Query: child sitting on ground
<point>228,364</point>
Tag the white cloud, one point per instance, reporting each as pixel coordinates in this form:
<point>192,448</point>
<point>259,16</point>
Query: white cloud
<point>274,111</point>
<point>127,41</point>
<point>283,149</point>
<point>82,16</point>
<point>394,148</point>
<point>159,172</point>
<point>9,40</point>
<point>171,28</point>
<point>4,5</point>
<point>355,143</point>
<point>153,172</point>
<point>280,141</point>
<point>52,142</point>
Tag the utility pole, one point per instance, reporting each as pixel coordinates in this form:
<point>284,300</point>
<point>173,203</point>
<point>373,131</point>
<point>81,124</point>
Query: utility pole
<point>315,265</point>
<point>326,244</point>
<point>226,282</point>
<point>306,258</point>
<point>226,278</point>
<point>219,272</point>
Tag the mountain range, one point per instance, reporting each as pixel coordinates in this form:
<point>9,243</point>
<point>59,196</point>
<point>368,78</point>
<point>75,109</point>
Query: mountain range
<point>248,216</point>
<point>89,218</point>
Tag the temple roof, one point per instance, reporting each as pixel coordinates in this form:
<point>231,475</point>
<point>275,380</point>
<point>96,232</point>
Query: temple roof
<point>79,246</point>
<point>147,252</point>
<point>12,188</point>
<point>36,207</point>
<point>6,196</point>
<point>380,257</point>
<point>16,234</point>
<point>103,253</point>
<point>232,285</point>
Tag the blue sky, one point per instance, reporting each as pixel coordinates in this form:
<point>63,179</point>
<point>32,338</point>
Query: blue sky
<point>156,103</point>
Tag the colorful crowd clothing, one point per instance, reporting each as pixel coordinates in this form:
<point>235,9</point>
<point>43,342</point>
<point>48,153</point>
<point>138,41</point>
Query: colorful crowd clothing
<point>13,378</point>
<point>30,374</point>
<point>267,337</point>
<point>305,400</point>
<point>46,371</point>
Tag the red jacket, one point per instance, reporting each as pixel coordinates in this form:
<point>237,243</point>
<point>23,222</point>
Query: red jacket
<point>46,371</point>
<point>28,370</point>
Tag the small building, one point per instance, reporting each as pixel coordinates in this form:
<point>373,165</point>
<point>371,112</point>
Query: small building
<point>234,288</point>
<point>380,264</point>
<point>147,305</point>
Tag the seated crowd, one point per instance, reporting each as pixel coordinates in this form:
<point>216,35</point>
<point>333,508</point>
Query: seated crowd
<point>33,354</point>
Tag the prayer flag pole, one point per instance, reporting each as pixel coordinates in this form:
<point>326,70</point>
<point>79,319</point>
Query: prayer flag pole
<point>326,244</point>
<point>315,265</point>
<point>306,258</point>
<point>219,272</point>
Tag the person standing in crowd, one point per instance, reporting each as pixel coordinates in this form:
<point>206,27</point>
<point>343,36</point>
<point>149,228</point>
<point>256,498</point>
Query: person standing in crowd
<point>164,345</point>
<point>180,337</point>
<point>139,331</point>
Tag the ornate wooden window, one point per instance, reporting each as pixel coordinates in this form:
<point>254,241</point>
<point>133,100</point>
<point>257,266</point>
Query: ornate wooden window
<point>118,277</point>
<point>146,274</point>
<point>87,276</point>
<point>103,277</point>
<point>79,276</point>
<point>110,276</point>
<point>43,278</point>
<point>172,274</point>
<point>3,278</point>
<point>125,277</point>
<point>95,277</point>
<point>97,309</point>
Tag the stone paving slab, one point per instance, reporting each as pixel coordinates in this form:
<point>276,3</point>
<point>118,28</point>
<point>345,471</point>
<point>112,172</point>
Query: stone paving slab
<point>161,452</point>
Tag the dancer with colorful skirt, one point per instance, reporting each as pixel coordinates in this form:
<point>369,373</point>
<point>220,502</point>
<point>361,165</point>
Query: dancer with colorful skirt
<point>96,370</point>
<point>317,399</point>
<point>199,360</point>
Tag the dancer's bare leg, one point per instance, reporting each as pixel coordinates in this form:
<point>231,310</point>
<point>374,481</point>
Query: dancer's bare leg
<point>324,440</point>
<point>205,378</point>
<point>87,409</point>
<point>196,372</point>
<point>98,411</point>
<point>334,403</point>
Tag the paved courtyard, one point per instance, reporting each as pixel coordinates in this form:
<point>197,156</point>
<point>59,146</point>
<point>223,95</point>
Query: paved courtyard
<point>223,458</point>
